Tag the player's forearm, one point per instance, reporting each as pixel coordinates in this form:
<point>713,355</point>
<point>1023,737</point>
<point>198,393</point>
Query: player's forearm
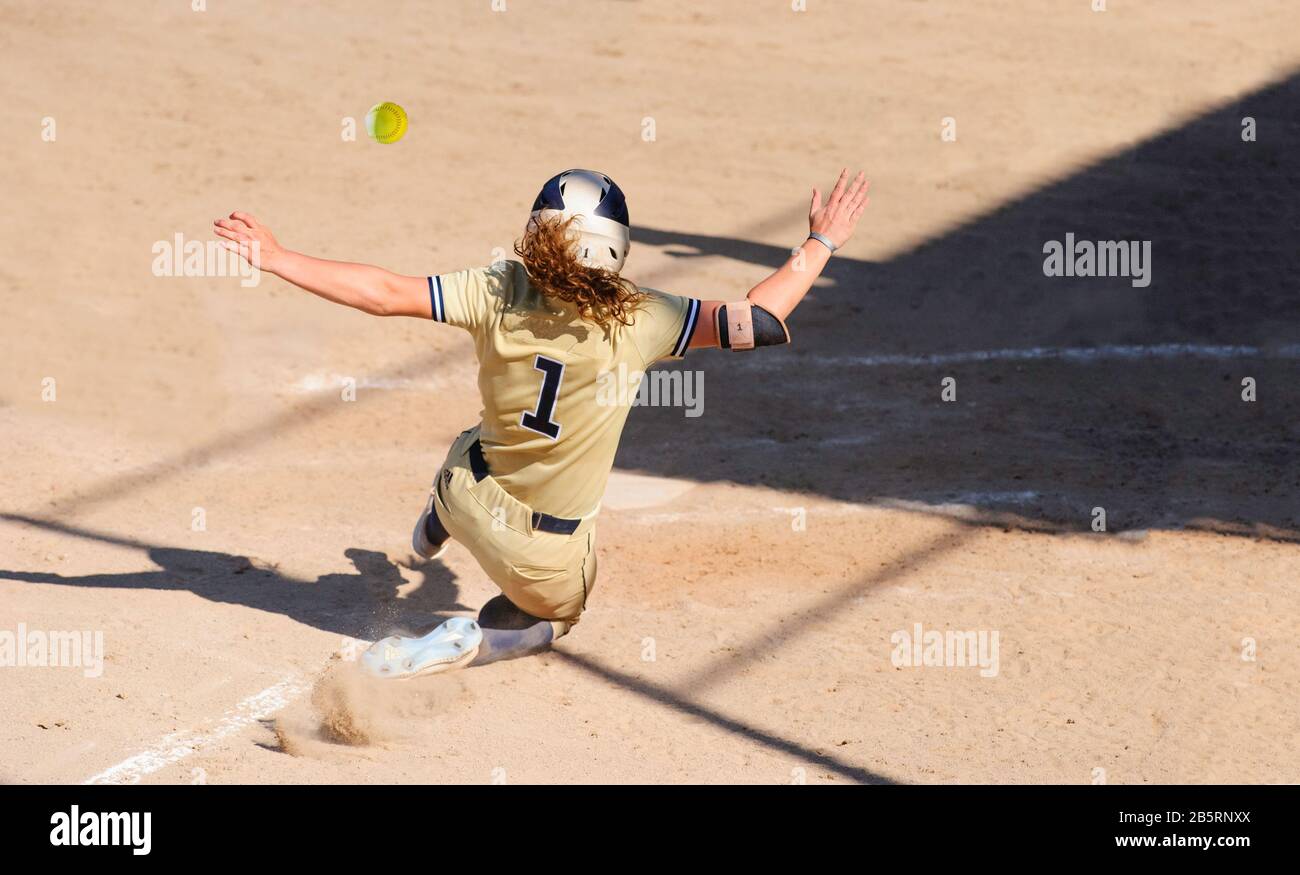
<point>361,286</point>
<point>781,292</point>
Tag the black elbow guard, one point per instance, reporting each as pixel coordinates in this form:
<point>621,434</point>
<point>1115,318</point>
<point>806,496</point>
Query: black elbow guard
<point>745,325</point>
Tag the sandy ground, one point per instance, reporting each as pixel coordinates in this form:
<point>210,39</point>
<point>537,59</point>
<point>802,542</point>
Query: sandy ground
<point>756,560</point>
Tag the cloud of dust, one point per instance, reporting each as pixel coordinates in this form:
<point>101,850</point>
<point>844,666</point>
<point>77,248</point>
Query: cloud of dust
<point>348,707</point>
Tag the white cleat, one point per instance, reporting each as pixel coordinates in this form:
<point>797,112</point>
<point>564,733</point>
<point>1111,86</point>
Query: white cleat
<point>420,542</point>
<point>452,645</point>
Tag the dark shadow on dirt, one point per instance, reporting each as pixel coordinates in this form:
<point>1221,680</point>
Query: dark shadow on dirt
<point>1150,425</point>
<point>684,705</point>
<point>363,604</point>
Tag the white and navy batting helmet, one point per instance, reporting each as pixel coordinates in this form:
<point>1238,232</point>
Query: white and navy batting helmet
<point>601,211</point>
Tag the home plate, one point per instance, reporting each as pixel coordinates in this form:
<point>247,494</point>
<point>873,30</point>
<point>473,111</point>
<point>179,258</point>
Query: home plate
<point>630,491</point>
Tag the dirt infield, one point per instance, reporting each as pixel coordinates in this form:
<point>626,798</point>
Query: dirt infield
<point>184,477</point>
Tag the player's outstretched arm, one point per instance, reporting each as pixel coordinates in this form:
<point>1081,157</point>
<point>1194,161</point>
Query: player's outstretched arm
<point>362,286</point>
<point>780,293</point>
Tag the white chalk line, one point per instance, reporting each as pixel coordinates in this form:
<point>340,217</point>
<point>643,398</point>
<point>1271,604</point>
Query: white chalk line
<point>966,505</point>
<point>1070,354</point>
<point>177,746</point>
<point>315,383</point>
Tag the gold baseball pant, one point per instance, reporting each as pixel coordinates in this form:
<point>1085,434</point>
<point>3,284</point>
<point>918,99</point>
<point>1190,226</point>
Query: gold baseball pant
<point>546,574</point>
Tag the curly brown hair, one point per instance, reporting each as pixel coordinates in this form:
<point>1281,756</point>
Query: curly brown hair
<point>549,249</point>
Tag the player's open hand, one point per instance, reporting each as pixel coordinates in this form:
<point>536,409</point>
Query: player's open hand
<point>251,239</point>
<point>838,217</point>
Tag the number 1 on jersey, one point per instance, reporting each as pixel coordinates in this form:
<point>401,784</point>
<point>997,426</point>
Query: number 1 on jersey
<point>540,420</point>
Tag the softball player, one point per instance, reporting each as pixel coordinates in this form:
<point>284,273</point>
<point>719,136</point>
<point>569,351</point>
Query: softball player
<point>521,490</point>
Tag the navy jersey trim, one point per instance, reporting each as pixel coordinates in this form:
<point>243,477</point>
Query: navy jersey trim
<point>436,301</point>
<point>688,328</point>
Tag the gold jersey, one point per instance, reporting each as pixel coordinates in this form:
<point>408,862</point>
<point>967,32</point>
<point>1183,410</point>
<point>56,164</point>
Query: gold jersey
<point>550,424</point>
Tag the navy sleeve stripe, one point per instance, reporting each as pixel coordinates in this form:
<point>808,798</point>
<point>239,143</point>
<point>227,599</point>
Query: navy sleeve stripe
<point>688,328</point>
<point>436,303</point>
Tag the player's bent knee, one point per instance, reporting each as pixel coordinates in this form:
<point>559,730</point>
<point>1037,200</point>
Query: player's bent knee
<point>501,613</point>
<point>746,325</point>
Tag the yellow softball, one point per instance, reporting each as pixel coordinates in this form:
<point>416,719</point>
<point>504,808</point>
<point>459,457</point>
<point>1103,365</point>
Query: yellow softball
<point>386,122</point>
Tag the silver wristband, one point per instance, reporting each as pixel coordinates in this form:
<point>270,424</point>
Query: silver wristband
<point>822,239</point>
